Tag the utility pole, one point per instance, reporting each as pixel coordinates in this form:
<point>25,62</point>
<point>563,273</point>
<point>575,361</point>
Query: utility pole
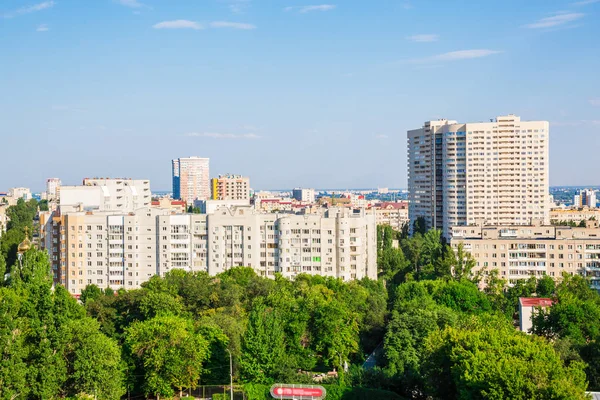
<point>230,374</point>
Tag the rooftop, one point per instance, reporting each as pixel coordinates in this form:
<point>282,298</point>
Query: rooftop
<point>535,301</point>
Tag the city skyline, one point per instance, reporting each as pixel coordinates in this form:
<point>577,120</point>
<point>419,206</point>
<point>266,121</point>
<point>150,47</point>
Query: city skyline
<point>228,78</point>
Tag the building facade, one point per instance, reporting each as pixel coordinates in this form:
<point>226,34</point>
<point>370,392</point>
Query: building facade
<point>19,193</point>
<point>575,215</point>
<point>304,195</point>
<point>52,188</point>
<point>520,252</point>
<point>493,173</point>
<point>394,214</point>
<point>124,250</point>
<point>106,194</point>
<point>191,179</point>
<point>585,198</point>
<point>230,187</point>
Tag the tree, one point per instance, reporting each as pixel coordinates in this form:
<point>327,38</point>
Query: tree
<point>169,351</point>
<point>545,286</point>
<point>263,347</point>
<point>94,361</point>
<point>489,359</point>
<point>90,293</point>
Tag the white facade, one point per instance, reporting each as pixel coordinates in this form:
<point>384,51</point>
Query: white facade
<point>102,194</point>
<point>585,198</point>
<point>304,195</point>
<point>492,173</point>
<point>191,179</point>
<point>210,206</point>
<point>52,188</point>
<point>20,193</point>
<point>125,250</point>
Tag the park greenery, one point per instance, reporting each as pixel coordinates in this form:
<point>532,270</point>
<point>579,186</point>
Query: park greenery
<point>433,333</point>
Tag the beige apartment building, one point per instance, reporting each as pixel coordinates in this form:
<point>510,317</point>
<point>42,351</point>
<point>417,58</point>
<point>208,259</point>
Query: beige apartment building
<point>119,250</point>
<point>230,187</point>
<point>492,173</point>
<point>191,179</point>
<point>575,215</point>
<point>394,214</point>
<point>522,251</point>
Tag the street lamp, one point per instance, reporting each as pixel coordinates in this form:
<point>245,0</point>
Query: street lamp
<point>230,374</point>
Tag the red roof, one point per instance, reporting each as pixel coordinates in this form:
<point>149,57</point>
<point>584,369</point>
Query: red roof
<point>535,301</point>
<point>155,203</point>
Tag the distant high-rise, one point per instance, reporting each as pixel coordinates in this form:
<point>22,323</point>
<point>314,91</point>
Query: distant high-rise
<point>585,198</point>
<point>304,195</point>
<point>191,179</point>
<point>52,187</point>
<point>493,173</point>
<point>230,187</point>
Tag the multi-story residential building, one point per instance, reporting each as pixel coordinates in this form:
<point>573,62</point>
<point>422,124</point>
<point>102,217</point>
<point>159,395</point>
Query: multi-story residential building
<point>124,250</point>
<point>576,215</point>
<point>19,193</point>
<point>191,179</point>
<point>585,198</point>
<point>166,202</point>
<point>493,173</point>
<point>52,188</point>
<point>3,218</point>
<point>230,187</point>
<point>519,251</point>
<point>304,195</point>
<point>106,194</point>
<point>394,214</point>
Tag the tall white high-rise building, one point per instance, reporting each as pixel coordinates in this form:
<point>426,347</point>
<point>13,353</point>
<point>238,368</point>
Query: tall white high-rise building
<point>304,195</point>
<point>492,173</point>
<point>52,188</point>
<point>585,198</point>
<point>191,180</point>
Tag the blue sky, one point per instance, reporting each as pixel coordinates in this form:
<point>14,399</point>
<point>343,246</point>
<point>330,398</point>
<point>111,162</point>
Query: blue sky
<point>288,92</point>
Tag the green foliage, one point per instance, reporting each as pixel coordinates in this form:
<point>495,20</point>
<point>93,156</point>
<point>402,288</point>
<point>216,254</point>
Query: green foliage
<point>169,351</point>
<point>545,286</point>
<point>489,359</point>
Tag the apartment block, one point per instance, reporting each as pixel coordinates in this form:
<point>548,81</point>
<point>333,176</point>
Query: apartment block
<point>575,215</point>
<point>520,252</point>
<point>585,198</point>
<point>191,179</point>
<point>230,187</point>
<point>124,250</point>
<point>394,214</point>
<point>106,194</point>
<point>304,195</point>
<point>493,173</point>
<point>53,188</point>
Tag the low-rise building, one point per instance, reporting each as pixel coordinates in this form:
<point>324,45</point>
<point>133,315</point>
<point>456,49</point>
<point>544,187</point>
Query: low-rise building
<point>520,252</point>
<point>177,206</point>
<point>394,214</point>
<point>304,195</point>
<point>573,215</point>
<point>528,306</point>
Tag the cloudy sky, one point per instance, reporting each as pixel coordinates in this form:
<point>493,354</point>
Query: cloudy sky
<point>288,92</point>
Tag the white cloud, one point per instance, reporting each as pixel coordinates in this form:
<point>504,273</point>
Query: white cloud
<point>424,38</point>
<point>42,28</point>
<point>595,102</point>
<point>306,9</point>
<point>178,24</point>
<point>555,20</point>
<point>382,136</point>
<point>30,9</point>
<point>464,55</point>
<point>130,3</point>
<point>234,25</point>
<point>216,135</point>
<point>238,6</point>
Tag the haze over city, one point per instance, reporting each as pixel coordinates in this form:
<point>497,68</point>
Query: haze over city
<point>289,93</point>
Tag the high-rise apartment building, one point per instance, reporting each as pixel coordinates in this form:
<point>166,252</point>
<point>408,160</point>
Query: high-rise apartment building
<point>106,194</point>
<point>123,250</point>
<point>585,198</point>
<point>304,195</point>
<point>52,188</point>
<point>230,187</point>
<point>492,173</point>
<point>191,179</point>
